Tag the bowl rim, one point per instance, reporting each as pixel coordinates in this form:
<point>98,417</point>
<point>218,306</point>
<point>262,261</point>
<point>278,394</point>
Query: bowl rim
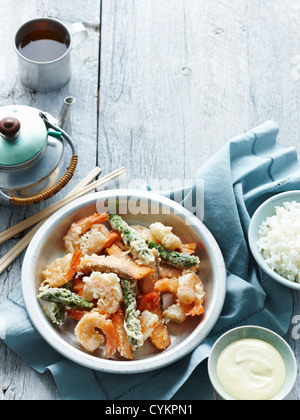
<point>252,232</point>
<point>211,365</point>
<point>46,330</point>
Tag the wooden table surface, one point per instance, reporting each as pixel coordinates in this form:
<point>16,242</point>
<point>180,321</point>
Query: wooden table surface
<point>160,86</point>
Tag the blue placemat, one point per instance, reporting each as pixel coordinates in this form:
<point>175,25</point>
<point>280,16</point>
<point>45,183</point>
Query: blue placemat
<point>235,181</point>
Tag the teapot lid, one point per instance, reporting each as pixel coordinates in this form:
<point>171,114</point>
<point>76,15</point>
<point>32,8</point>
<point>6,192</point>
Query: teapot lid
<point>23,135</point>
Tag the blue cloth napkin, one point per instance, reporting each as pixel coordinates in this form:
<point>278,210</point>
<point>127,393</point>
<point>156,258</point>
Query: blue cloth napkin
<point>237,179</point>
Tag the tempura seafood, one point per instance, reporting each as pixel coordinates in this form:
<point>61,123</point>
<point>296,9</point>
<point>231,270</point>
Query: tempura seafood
<point>88,336</point>
<point>188,293</point>
<point>111,282</point>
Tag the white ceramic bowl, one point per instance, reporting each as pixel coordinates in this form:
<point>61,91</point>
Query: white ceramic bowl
<point>267,209</point>
<point>259,333</point>
<point>48,245</point>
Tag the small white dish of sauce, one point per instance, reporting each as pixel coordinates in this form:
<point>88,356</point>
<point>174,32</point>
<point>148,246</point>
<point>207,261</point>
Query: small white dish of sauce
<point>252,363</point>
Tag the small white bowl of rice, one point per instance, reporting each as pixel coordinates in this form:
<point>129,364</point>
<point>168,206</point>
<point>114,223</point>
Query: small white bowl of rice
<point>274,238</point>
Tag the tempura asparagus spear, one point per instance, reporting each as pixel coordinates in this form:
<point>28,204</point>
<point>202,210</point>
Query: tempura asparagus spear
<point>132,239</point>
<point>132,323</point>
<point>176,259</point>
<point>56,313</point>
<point>65,297</point>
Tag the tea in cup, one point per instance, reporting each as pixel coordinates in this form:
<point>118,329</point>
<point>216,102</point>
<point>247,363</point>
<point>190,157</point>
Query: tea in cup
<point>44,48</point>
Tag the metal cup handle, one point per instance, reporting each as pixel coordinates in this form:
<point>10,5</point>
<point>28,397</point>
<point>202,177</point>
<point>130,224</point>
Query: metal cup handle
<point>79,33</point>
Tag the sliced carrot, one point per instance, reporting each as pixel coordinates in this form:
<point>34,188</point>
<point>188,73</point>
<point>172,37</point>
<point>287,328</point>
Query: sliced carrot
<point>188,248</point>
<point>160,337</point>
<point>124,347</point>
<point>149,302</point>
<point>112,238</point>
<point>78,286</point>
<point>111,336</point>
<point>76,314</point>
<point>116,251</point>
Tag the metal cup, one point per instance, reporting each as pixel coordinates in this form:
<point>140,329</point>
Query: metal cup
<point>51,75</point>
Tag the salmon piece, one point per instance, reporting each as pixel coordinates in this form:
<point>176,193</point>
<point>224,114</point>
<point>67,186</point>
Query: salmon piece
<point>160,336</point>
<point>124,347</point>
<point>124,266</point>
<point>146,285</point>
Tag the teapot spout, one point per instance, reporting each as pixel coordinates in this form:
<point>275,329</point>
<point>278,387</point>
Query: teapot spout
<point>63,120</point>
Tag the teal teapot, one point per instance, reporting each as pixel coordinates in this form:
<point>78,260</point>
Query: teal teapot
<point>32,146</point>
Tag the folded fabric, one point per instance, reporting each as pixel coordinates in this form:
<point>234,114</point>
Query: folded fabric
<point>236,180</point>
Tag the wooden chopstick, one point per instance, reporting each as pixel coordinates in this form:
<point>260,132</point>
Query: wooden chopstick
<point>7,260</point>
<point>87,180</point>
<point>24,242</point>
<point>11,232</point>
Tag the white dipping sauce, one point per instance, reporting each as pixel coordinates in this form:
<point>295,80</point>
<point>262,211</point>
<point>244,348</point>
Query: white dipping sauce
<point>251,369</point>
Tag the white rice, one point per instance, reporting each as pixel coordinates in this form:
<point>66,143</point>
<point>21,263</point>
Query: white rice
<point>279,241</point>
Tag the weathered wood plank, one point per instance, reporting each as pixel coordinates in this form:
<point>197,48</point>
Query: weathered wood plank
<point>83,86</point>
<point>172,87</point>
<point>17,380</point>
<point>140,123</point>
<point>273,45</point>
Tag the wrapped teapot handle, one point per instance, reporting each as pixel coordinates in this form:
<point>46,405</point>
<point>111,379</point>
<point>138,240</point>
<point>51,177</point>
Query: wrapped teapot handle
<point>28,201</point>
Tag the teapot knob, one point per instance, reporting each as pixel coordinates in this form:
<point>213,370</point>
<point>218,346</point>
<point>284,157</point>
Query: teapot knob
<point>9,128</point>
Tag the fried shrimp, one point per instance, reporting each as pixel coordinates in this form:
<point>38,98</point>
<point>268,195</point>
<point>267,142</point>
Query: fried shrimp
<point>62,270</point>
<point>87,234</point>
<point>164,235</point>
<point>91,339</point>
<point>159,336</point>
<point>188,292</point>
<point>148,321</point>
<point>106,289</point>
